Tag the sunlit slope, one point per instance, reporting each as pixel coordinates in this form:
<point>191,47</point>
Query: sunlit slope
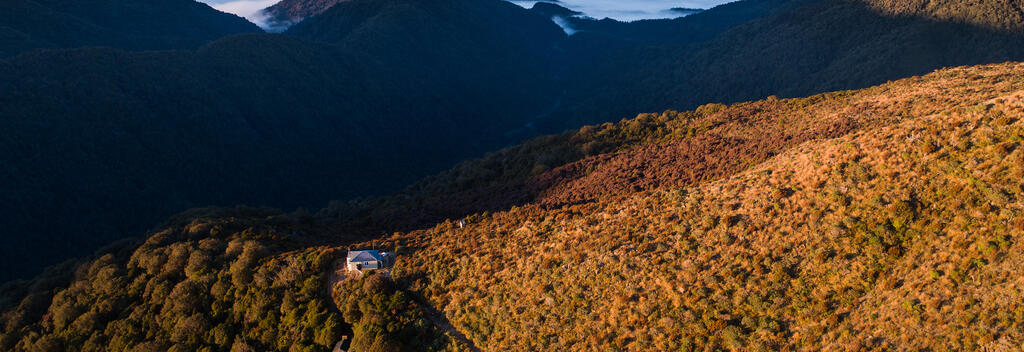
<point>804,47</point>
<point>902,236</point>
<point>887,218</point>
<point>1005,15</point>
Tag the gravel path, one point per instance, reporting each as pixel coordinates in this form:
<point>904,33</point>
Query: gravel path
<point>339,273</point>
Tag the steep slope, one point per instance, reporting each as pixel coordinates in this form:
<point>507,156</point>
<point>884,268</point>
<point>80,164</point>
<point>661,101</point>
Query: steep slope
<point>211,279</point>
<point>901,236</point>
<point>1004,15</point>
<point>288,12</point>
<point>679,31</point>
<point>494,50</point>
<point>139,136</point>
<point>884,218</point>
<point>798,48</point>
<point>394,90</point>
<point>136,25</point>
<point>651,151</point>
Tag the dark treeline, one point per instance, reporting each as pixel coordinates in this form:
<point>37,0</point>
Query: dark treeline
<point>100,143</point>
<point>370,96</point>
<point>129,24</point>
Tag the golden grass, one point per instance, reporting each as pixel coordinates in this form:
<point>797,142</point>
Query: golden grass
<point>904,236</point>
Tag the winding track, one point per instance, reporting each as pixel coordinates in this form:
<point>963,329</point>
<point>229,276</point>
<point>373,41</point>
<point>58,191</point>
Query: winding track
<point>339,273</point>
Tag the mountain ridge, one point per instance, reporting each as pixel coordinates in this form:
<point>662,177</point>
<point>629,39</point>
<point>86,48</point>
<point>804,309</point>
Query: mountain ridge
<point>288,12</point>
<point>811,47</point>
<point>363,102</point>
<point>304,121</point>
<point>136,25</point>
<point>786,252</point>
<point>709,264</point>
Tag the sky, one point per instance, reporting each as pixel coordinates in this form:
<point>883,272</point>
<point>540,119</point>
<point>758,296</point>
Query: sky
<point>622,10</point>
<point>250,9</point>
<point>630,10</point>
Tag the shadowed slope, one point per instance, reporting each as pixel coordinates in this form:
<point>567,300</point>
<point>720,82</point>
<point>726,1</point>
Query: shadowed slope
<point>133,24</point>
<point>399,89</point>
<point>904,236</point>
<point>254,119</point>
<point>1005,15</point>
<point>887,218</point>
<point>288,12</point>
<point>800,48</point>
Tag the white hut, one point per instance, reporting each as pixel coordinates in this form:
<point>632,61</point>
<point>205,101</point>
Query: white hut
<point>368,260</point>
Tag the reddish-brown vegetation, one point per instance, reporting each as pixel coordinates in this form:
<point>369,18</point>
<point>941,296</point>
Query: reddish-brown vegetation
<point>900,236</point>
<point>888,218</point>
<point>711,147</point>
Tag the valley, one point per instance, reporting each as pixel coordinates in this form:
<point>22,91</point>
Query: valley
<point>372,95</point>
<point>786,249</point>
<point>764,175</point>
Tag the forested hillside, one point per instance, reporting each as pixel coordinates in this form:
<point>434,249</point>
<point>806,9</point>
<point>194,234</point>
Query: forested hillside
<point>239,279</point>
<point>901,233</point>
<point>288,12</point>
<point>877,219</point>
<point>798,48</point>
<point>372,95</point>
<point>131,24</point>
<point>994,14</point>
<point>254,119</point>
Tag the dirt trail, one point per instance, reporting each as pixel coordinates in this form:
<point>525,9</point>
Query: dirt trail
<point>339,273</point>
<point>441,321</point>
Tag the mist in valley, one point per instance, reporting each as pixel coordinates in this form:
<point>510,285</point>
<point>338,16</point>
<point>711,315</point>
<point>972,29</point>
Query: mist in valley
<point>629,10</point>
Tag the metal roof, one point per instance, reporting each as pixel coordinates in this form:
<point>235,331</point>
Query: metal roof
<point>364,256</point>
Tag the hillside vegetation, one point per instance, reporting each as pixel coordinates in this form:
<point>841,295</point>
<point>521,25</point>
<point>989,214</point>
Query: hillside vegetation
<point>288,12</point>
<point>210,279</point>
<point>887,218</point>
<point>792,48</point>
<point>370,96</point>
<point>236,280</point>
<point>901,236</point>
<point>139,136</point>
<point>883,218</point>
<point>130,24</point>
<point>995,14</point>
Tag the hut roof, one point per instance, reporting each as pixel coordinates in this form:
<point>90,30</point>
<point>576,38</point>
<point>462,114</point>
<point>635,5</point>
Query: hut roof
<point>364,256</point>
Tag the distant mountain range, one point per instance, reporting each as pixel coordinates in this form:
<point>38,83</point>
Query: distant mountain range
<point>881,218</point>
<point>686,10</point>
<point>288,12</point>
<point>130,24</point>
<point>881,210</point>
<point>258,119</point>
<point>787,48</point>
<point>371,95</point>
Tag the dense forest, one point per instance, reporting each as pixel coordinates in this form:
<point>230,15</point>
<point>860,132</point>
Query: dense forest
<point>130,24</point>
<point>283,14</point>
<point>876,219</point>
<point>369,96</point>
<point>790,49</point>
<point>1002,15</point>
<point>886,216</point>
<point>238,279</point>
<point>254,119</point>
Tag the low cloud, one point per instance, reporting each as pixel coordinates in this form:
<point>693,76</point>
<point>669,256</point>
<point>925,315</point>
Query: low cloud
<point>628,10</point>
<point>562,22</point>
<point>252,10</point>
